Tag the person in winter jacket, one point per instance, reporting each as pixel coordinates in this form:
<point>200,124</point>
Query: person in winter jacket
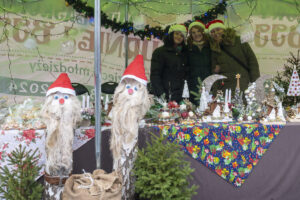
<point>231,57</point>
<point>199,57</point>
<point>168,65</point>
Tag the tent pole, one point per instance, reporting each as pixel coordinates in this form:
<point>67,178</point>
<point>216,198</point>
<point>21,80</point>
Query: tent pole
<point>97,61</point>
<point>126,36</point>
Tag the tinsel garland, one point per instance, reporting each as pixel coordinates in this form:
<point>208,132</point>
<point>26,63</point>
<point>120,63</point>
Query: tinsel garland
<point>148,32</point>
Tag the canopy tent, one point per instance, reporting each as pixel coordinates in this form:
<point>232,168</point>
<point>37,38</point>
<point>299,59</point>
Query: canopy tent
<point>38,35</point>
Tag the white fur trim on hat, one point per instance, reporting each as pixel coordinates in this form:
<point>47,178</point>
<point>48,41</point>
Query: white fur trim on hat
<point>196,24</point>
<point>178,27</point>
<point>135,78</point>
<point>61,90</point>
<point>216,25</point>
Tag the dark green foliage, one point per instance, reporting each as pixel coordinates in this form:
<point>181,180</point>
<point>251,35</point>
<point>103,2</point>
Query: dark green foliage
<point>199,86</point>
<point>19,182</point>
<point>162,173</point>
<point>283,78</point>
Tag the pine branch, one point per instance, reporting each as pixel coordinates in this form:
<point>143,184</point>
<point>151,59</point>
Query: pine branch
<point>18,181</point>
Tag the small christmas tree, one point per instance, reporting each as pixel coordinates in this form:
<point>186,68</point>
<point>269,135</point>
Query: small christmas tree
<point>185,93</point>
<point>19,181</point>
<point>162,172</point>
<point>203,101</point>
<point>253,108</point>
<point>238,110</point>
<point>294,87</point>
<point>283,78</point>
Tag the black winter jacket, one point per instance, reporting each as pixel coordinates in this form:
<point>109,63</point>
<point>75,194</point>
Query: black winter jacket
<point>168,72</point>
<point>199,62</point>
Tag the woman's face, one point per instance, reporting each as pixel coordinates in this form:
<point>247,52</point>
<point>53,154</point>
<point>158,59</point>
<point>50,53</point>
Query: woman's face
<point>197,34</point>
<point>178,37</point>
<point>217,34</point>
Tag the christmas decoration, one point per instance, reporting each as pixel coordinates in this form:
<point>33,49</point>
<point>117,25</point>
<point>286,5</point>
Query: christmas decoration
<point>87,112</point>
<point>260,89</point>
<point>219,105</point>
<point>19,183</point>
<point>185,93</point>
<point>148,32</point>
<point>197,95</point>
<point>294,90</point>
<point>294,87</point>
<point>238,109</point>
<point>283,78</point>
<point>272,105</point>
<point>130,104</point>
<point>253,109</point>
<point>162,159</point>
<point>226,110</point>
<point>187,112</point>
<point>23,116</point>
<point>61,113</point>
<point>203,101</point>
<point>209,81</point>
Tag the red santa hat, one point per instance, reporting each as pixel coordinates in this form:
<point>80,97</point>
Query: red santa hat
<point>136,70</point>
<point>215,24</point>
<point>61,84</point>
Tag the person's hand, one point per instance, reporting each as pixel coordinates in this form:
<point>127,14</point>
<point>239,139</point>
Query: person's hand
<point>217,69</point>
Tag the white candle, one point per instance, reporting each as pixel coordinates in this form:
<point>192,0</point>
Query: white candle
<point>229,98</point>
<point>88,101</point>
<point>83,102</point>
<point>226,96</point>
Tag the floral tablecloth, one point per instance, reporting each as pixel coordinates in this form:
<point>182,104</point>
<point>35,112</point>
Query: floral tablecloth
<point>229,149</point>
<point>35,139</point>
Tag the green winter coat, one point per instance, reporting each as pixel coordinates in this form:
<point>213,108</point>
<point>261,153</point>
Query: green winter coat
<point>168,72</point>
<point>229,66</point>
<point>199,62</point>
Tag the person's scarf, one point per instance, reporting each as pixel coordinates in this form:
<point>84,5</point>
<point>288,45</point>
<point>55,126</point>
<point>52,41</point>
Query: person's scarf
<point>199,44</point>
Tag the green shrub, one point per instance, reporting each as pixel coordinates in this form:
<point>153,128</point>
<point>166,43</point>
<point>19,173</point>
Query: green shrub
<point>162,173</point>
<point>19,181</point>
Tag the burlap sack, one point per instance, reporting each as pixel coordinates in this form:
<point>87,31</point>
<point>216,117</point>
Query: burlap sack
<point>96,186</point>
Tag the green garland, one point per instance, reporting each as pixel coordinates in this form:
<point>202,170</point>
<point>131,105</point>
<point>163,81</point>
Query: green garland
<point>148,32</point>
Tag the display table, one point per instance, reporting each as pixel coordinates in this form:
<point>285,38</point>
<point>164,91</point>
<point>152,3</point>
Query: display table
<point>35,139</point>
<point>275,176</point>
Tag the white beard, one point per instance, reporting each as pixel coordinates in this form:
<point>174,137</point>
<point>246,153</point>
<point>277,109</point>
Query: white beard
<point>127,111</point>
<point>60,121</point>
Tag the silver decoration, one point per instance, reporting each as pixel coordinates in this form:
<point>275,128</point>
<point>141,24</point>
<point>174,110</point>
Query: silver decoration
<point>260,90</point>
<point>209,81</point>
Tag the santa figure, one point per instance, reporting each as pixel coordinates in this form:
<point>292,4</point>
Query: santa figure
<point>130,104</point>
<point>61,113</point>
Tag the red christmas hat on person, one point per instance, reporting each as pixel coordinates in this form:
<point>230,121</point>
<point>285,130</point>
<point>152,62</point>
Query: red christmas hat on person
<point>136,70</point>
<point>217,23</point>
<point>61,84</point>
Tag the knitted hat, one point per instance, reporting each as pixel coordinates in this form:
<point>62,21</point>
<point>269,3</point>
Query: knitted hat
<point>136,70</point>
<point>178,27</point>
<point>61,84</point>
<point>197,23</point>
<point>215,24</point>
